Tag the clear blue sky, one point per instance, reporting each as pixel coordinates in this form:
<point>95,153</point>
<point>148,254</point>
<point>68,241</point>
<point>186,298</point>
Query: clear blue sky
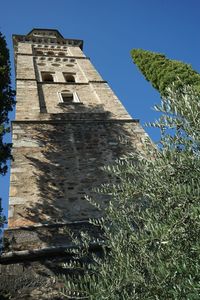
<point>110,29</point>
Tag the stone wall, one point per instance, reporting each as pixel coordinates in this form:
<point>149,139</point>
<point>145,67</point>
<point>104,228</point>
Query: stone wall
<point>35,96</point>
<point>57,164</point>
<point>59,151</point>
<point>35,258</point>
<point>93,97</point>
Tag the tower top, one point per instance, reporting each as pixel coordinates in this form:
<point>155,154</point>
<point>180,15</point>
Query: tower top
<point>45,32</point>
<point>46,35</point>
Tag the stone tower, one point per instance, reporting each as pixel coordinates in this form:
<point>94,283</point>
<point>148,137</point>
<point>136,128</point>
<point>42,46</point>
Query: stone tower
<point>69,124</point>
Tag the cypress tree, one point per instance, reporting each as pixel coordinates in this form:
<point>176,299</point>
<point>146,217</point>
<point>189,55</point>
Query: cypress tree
<point>162,72</point>
<point>6,105</point>
<point>6,102</point>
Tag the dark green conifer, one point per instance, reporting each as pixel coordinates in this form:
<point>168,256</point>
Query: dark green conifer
<point>6,102</point>
<point>6,105</point>
<point>162,72</point>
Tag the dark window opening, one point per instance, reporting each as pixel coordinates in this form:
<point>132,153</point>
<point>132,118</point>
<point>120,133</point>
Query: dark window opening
<point>69,78</point>
<point>67,98</point>
<point>47,77</point>
<point>39,53</point>
<point>50,53</point>
<point>61,53</point>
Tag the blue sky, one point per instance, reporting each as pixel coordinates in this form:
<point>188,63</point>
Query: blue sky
<point>110,29</point>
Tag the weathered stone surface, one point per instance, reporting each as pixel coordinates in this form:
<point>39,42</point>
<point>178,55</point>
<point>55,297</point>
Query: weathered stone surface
<point>59,150</point>
<point>34,258</point>
<point>30,238</point>
<point>65,167</point>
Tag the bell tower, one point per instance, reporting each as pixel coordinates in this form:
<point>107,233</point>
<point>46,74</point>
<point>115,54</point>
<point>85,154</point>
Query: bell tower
<point>69,124</point>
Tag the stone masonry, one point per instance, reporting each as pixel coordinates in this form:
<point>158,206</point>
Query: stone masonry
<point>69,124</point>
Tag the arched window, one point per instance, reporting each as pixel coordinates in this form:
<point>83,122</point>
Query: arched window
<point>47,77</point>
<point>69,77</point>
<point>67,97</point>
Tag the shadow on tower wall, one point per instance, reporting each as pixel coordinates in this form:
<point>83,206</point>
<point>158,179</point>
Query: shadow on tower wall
<point>65,166</point>
<point>68,164</point>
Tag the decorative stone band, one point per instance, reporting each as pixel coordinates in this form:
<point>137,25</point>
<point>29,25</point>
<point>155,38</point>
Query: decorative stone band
<point>66,56</point>
<point>61,82</point>
<point>28,242</point>
<point>65,249</point>
<point>63,120</point>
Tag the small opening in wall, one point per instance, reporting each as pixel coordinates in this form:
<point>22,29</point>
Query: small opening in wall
<point>39,53</point>
<point>69,77</point>
<point>55,65</point>
<point>41,64</point>
<point>61,53</point>
<point>50,53</point>
<point>67,98</point>
<point>70,65</point>
<point>47,77</point>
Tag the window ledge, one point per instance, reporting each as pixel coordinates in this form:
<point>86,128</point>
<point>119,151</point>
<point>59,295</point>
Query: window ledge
<point>70,103</point>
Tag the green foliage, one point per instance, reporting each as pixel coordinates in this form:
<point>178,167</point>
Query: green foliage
<point>162,72</point>
<point>6,102</point>
<point>152,224</point>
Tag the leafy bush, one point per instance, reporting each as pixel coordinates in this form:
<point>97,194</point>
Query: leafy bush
<point>152,224</point>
